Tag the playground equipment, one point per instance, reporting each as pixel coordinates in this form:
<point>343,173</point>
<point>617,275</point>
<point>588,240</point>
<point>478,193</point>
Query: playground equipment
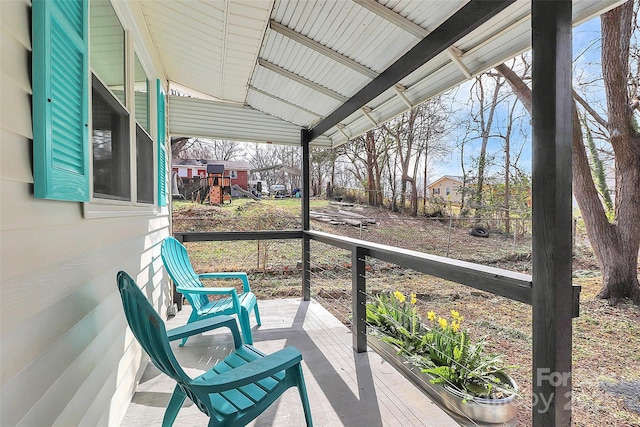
<point>219,185</point>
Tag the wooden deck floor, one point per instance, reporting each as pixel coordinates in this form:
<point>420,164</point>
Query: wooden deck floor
<point>345,388</point>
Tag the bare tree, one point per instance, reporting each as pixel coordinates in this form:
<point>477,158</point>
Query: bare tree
<point>374,184</point>
<point>199,148</point>
<point>484,117</point>
<point>461,144</point>
<point>226,150</point>
<point>262,157</point>
<point>415,134</point>
<point>322,163</point>
<point>367,157</point>
<point>267,163</point>
<point>615,243</point>
<point>402,131</point>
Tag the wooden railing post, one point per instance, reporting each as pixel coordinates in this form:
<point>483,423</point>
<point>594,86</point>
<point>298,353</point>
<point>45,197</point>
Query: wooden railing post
<point>359,300</point>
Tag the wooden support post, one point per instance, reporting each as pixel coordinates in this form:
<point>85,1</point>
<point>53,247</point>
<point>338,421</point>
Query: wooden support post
<point>552,295</point>
<point>359,300</point>
<point>306,241</point>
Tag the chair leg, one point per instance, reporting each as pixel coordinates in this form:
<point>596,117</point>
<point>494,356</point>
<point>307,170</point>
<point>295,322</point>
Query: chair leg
<point>177,399</point>
<point>257,313</point>
<point>302,389</point>
<point>245,326</point>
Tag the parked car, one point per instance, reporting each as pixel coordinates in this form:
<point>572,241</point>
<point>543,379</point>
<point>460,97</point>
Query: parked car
<point>279,191</point>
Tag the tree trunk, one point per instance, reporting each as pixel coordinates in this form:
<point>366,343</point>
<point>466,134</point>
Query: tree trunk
<point>414,194</point>
<point>378,184</point>
<point>370,147</point>
<point>613,247</point>
<point>424,188</point>
<point>507,189</point>
<point>620,254</point>
<point>464,180</point>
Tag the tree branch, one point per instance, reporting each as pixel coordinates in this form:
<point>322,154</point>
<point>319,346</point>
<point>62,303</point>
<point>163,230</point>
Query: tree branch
<point>519,87</point>
<point>590,110</point>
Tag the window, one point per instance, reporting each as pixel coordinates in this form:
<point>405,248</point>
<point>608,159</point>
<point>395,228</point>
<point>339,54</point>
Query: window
<point>144,161</point>
<point>92,110</point>
<point>110,138</point>
<point>144,144</point>
<point>447,191</point>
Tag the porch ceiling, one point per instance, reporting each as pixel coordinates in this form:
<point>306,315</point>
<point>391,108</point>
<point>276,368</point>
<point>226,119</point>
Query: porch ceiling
<point>299,61</point>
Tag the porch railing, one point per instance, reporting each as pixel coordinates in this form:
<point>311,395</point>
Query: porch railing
<point>508,284</point>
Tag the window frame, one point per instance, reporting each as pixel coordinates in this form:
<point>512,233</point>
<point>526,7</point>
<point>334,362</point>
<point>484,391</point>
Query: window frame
<point>98,207</point>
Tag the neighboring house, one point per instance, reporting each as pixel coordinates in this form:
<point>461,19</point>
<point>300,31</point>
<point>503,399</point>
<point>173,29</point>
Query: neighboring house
<point>447,187</point>
<point>238,171</point>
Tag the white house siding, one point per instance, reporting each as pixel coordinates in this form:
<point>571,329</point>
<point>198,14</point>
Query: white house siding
<point>438,189</point>
<point>66,355</point>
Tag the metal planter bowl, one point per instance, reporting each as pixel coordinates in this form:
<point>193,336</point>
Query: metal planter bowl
<point>476,412</point>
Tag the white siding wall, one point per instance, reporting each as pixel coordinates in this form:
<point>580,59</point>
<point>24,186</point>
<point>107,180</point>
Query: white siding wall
<point>67,357</point>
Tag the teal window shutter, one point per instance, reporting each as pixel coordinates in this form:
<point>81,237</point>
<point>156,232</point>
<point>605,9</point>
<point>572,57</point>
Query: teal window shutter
<point>60,99</point>
<point>162,155</point>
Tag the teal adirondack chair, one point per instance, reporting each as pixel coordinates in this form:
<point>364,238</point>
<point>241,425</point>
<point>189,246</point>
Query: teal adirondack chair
<point>233,392</point>
<point>188,282</point>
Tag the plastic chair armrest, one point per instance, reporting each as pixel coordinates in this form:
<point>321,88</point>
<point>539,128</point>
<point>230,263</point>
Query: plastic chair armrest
<point>207,291</point>
<point>229,275</point>
<point>200,326</point>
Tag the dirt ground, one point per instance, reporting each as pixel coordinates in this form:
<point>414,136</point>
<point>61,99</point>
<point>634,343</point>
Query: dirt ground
<point>606,361</point>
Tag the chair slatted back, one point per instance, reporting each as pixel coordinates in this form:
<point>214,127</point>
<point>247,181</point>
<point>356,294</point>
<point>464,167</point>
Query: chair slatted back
<point>149,330</point>
<point>147,326</point>
<point>176,261</point>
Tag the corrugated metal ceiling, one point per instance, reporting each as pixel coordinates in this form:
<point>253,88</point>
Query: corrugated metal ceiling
<point>299,60</point>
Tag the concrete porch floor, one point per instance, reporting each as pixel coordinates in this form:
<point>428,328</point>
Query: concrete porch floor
<point>345,388</point>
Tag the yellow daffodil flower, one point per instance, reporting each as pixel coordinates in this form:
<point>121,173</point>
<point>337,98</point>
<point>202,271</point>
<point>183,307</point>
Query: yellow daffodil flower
<point>442,322</point>
<point>399,296</point>
<point>413,299</point>
<point>455,326</point>
<point>431,316</point>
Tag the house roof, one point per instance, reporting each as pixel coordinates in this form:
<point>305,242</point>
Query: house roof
<point>228,164</point>
<point>442,178</point>
<point>265,69</point>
